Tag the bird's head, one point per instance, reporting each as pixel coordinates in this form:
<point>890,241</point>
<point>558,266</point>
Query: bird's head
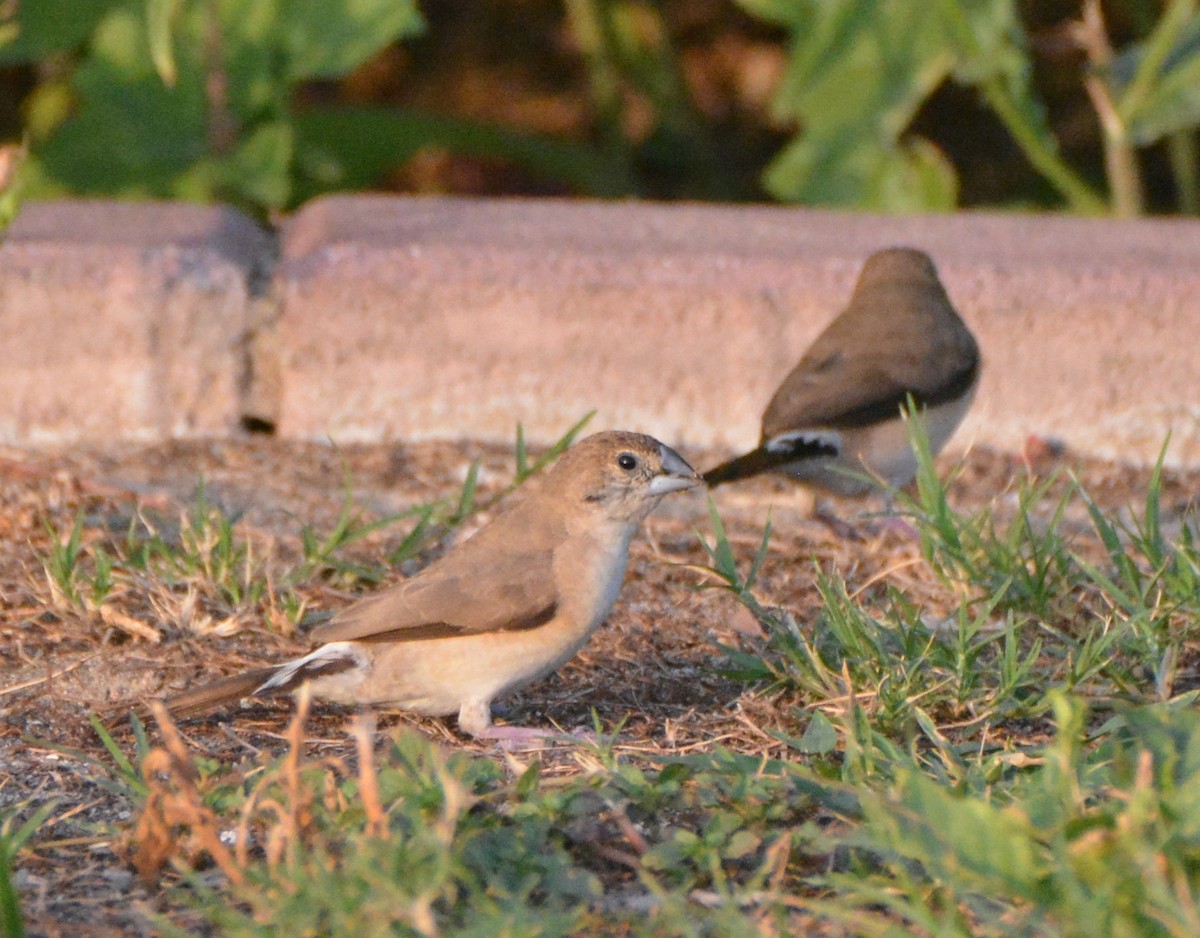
<point>622,475</point>
<point>898,264</point>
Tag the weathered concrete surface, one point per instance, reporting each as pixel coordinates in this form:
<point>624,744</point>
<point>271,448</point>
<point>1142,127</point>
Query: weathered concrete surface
<point>445,317</point>
<point>124,320</point>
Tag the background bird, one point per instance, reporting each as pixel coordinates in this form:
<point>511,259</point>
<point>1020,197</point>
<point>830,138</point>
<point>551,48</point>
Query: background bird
<point>835,421</point>
<point>507,606</point>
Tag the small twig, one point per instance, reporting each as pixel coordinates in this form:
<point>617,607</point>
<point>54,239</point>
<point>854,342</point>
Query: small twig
<point>67,815</point>
<point>229,734</point>
<point>92,841</point>
<point>883,574</point>
<point>129,624</point>
<point>632,835</point>
<point>297,806</point>
<point>24,685</point>
<point>611,854</point>
<point>363,731</point>
<point>1120,158</point>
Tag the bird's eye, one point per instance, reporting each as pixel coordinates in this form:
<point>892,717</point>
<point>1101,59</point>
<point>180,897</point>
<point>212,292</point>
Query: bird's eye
<point>627,461</point>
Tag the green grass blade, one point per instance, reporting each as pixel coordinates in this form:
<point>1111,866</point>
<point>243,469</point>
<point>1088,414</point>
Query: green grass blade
<point>415,540</point>
<point>12,924</point>
<point>720,551</point>
<point>128,774</point>
<point>760,555</point>
<point>466,499</point>
<point>521,456</point>
<point>558,448</point>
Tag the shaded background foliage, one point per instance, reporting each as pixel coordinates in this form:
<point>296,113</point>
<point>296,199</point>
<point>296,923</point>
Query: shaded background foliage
<point>885,105</point>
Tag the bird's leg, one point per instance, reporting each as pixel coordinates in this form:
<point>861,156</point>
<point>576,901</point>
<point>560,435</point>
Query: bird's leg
<point>893,521</point>
<point>475,717</point>
<point>823,513</point>
<point>501,709</point>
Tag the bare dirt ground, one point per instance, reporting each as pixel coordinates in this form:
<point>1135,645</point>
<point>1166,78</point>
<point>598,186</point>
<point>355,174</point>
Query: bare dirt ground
<point>653,666</point>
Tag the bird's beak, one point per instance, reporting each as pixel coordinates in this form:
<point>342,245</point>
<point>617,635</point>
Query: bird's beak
<point>676,474</point>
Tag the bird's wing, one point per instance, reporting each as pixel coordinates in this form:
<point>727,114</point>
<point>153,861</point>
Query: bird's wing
<point>502,579</point>
<point>845,390</point>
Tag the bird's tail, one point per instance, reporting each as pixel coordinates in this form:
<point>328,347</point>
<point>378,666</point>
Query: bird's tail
<point>225,690</point>
<point>779,451</point>
<point>742,467</point>
<point>329,659</point>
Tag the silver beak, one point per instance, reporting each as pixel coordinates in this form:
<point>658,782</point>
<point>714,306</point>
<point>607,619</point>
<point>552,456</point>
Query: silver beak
<point>676,474</point>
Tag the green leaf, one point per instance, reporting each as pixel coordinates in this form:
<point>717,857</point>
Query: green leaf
<point>1172,100</point>
<point>901,177</point>
<point>320,42</point>
<point>352,147</point>
<point>796,13</point>
<point>999,47</point>
<point>820,737</point>
<point>721,553</point>
<point>743,843</point>
<point>466,498</point>
<point>48,27</point>
<point>11,922</point>
<point>131,134</point>
<point>857,75</point>
<point>872,63</point>
<point>999,52</point>
<point>160,18</point>
<point>259,169</point>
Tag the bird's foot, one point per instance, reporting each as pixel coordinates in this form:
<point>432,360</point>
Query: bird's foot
<point>842,529</point>
<point>475,717</point>
<point>530,737</point>
<point>895,524</point>
<point>866,526</point>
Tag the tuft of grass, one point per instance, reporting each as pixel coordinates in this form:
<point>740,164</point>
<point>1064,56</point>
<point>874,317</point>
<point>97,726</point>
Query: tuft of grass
<point>322,555</point>
<point>1151,583</point>
<point>1096,838</point>
<point>79,576</point>
<point>417,841</point>
<point>1028,563</point>
<point>723,567</point>
<point>206,553</point>
<point>120,774</point>
<point>63,564</point>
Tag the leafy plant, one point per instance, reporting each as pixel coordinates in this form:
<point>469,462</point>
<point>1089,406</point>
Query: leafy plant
<point>198,99</point>
<point>1089,842</point>
<point>858,73</point>
<point>187,98</point>
<point>420,842</point>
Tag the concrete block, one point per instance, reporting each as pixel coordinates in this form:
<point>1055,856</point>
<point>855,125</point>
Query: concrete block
<point>438,317</point>
<point>124,320</point>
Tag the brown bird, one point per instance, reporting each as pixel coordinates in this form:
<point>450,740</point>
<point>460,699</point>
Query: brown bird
<point>835,420</point>
<point>505,607</point>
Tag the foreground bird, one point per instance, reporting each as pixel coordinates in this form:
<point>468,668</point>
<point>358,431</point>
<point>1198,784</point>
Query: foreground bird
<point>505,607</point>
<point>835,420</point>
